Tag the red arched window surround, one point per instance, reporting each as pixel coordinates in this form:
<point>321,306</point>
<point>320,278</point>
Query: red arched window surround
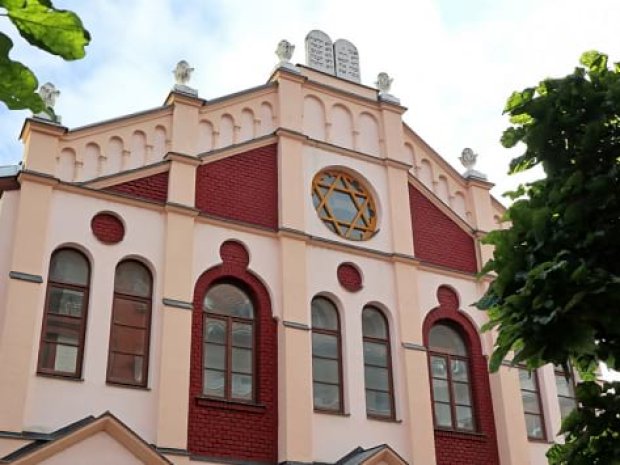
<point>212,422</point>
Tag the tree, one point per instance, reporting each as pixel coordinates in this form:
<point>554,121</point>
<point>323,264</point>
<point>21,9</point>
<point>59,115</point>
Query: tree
<point>56,31</point>
<point>556,294</point>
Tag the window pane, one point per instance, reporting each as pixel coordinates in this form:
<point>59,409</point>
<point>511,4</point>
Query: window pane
<point>126,368</point>
<point>375,354</point>
<point>213,383</point>
<point>65,301</point>
<point>376,378</point>
<point>242,361</point>
<point>464,418</point>
<point>533,424</point>
<point>342,206</point>
<point>324,314</point>
<point>443,415</point>
<point>131,312</point>
<point>438,367</point>
<point>373,324</point>
<point>62,329</point>
<point>564,386</point>
<point>461,394</point>
<point>444,339</point>
<point>215,331</point>
<point>226,299</point>
<point>378,403</point>
<point>69,266</point>
<point>459,370</point>
<point>242,335</point>
<point>326,396</point>
<point>129,340</point>
<point>325,345</point>
<point>242,387</point>
<point>440,390</point>
<point>325,370</point>
<point>530,402</point>
<point>215,356</point>
<point>567,405</point>
<point>526,379</point>
<point>59,357</point>
<point>132,278</point>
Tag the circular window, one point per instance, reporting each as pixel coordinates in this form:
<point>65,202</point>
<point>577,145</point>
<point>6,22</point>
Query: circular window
<point>344,205</point>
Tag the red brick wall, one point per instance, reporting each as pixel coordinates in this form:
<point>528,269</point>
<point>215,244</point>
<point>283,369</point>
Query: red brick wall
<point>153,187</point>
<point>235,430</point>
<point>436,238</point>
<point>107,228</point>
<point>458,448</point>
<point>242,187</point>
<point>349,277</point>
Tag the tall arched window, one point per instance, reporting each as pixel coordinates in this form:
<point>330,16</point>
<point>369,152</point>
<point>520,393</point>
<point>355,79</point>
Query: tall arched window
<point>449,366</point>
<point>229,344</point>
<point>377,364</point>
<point>131,321</point>
<point>66,308</point>
<point>326,356</point>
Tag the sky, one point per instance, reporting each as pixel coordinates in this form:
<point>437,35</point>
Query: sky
<point>454,62</point>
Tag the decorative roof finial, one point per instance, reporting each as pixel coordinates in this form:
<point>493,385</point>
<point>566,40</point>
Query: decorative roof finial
<point>182,74</point>
<point>48,94</point>
<point>284,52</point>
<point>468,160</point>
<point>384,84</point>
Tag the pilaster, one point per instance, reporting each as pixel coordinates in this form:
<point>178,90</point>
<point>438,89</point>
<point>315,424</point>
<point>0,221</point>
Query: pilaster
<point>41,145</point>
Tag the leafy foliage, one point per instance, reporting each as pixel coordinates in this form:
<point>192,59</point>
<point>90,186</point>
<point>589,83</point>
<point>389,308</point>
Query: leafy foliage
<point>59,32</point>
<point>556,294</point>
<point>592,431</point>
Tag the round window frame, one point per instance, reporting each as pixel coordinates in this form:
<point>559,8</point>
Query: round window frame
<point>371,230</point>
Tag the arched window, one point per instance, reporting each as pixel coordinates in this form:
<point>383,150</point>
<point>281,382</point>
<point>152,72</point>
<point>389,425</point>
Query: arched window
<point>128,355</point>
<point>66,308</point>
<point>229,344</point>
<point>449,366</point>
<point>377,364</point>
<point>326,356</point>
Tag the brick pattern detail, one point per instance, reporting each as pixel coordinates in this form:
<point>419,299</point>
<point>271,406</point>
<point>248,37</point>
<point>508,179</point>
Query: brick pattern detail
<point>153,187</point>
<point>437,239</point>
<point>242,187</point>
<point>233,253</point>
<point>231,430</point>
<point>108,228</point>
<point>349,277</point>
<point>457,448</point>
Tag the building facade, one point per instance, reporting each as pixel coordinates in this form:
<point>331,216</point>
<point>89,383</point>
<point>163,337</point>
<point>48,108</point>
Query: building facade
<point>284,274</point>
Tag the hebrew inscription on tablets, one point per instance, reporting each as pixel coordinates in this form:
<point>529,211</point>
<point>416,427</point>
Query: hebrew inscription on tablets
<point>347,60</point>
<point>320,52</point>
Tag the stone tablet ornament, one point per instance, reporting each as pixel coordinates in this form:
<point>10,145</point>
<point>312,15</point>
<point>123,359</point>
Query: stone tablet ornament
<point>468,160</point>
<point>182,74</point>
<point>347,60</point>
<point>320,52</point>
<point>384,84</point>
<point>284,52</point>
<point>49,94</point>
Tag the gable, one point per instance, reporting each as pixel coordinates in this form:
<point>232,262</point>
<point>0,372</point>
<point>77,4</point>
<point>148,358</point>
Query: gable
<point>437,239</point>
<point>241,187</point>
<point>90,451</point>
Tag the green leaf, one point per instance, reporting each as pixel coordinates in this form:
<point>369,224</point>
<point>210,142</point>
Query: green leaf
<point>59,32</point>
<point>517,99</point>
<point>594,61</point>
<point>18,86</point>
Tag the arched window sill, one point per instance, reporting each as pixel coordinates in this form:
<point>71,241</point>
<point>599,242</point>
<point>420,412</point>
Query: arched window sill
<point>60,376</point>
<point>383,419</point>
<point>332,412</point>
<point>471,435</point>
<point>127,386</point>
<point>230,405</point>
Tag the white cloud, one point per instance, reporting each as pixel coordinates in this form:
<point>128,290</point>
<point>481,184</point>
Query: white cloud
<point>454,65</point>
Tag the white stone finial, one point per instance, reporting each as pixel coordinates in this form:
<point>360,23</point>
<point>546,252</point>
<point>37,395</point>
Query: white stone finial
<point>182,74</point>
<point>468,160</point>
<point>284,52</point>
<point>48,94</point>
<point>384,84</point>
